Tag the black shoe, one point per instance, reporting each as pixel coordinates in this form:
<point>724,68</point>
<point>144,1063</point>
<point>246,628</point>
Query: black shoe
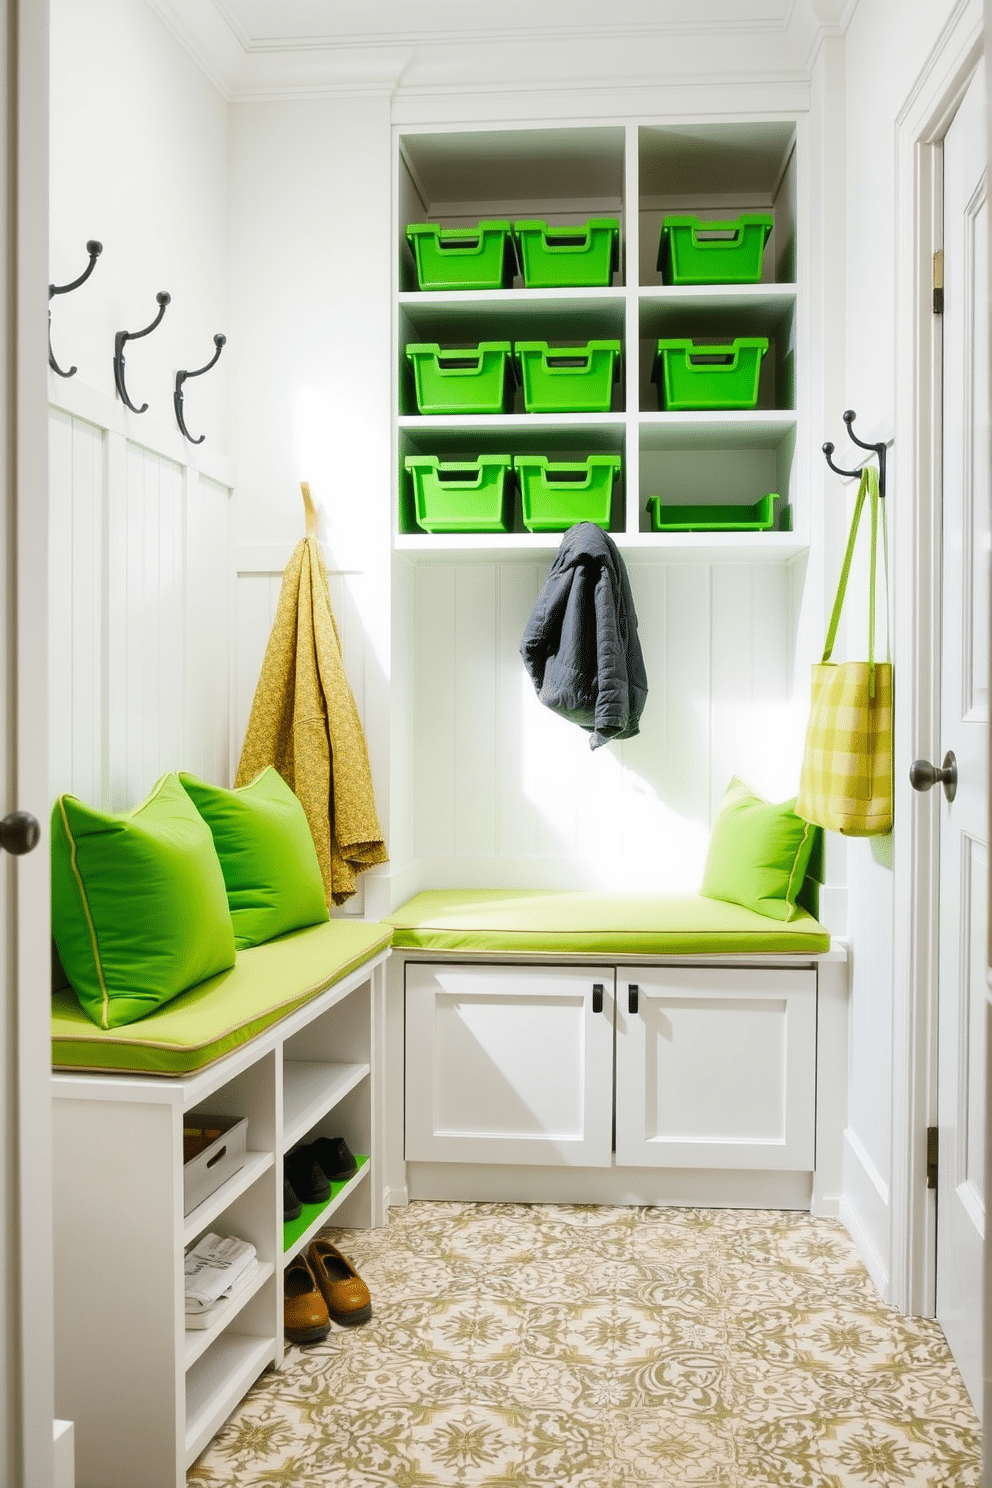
<point>291,1206</point>
<point>307,1176</point>
<point>335,1158</point>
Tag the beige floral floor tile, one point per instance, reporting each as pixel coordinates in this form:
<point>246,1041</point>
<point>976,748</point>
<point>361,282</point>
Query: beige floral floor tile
<point>515,1346</point>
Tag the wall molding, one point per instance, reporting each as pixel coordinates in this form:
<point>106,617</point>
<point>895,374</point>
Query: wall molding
<point>411,60</point>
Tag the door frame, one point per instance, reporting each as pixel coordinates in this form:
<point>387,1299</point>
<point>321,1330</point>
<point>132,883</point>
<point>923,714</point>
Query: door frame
<point>916,526</point>
<point>26,1310</point>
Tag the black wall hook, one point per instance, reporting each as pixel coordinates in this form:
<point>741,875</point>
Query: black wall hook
<point>177,398</point>
<point>878,449</point>
<point>163,298</point>
<point>94,249</point>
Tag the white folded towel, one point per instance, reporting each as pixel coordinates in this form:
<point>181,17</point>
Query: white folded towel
<point>213,1267</point>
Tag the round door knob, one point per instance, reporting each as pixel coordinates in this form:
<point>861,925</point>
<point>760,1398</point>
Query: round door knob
<point>19,833</point>
<point>923,775</point>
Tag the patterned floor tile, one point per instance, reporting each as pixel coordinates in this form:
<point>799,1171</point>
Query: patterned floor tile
<point>515,1346</point>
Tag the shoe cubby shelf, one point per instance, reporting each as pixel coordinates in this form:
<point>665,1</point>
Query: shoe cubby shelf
<point>138,1384</point>
<point>639,172</point>
<point>298,1233</point>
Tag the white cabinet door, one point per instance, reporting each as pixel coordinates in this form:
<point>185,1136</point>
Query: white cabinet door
<point>510,1064</point>
<point>716,1068</point>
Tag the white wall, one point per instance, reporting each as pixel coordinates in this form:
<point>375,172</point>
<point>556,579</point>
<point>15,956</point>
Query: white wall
<point>139,161</point>
<point>310,287</point>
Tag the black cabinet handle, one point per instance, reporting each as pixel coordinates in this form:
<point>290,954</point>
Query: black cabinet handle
<point>597,997</point>
<point>632,993</point>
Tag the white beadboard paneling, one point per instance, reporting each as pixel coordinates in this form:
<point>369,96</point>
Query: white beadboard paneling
<point>206,721</point>
<point>517,822</point>
<point>76,671</point>
<point>435,741</point>
<point>139,607</point>
<point>256,600</point>
<point>476,707</point>
<point>505,789</point>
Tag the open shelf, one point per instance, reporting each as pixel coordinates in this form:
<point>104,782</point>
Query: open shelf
<point>217,1381</point>
<point>200,1218</point>
<point>297,1233</point>
<point>310,1090</point>
<point>198,1340</point>
<point>714,170</point>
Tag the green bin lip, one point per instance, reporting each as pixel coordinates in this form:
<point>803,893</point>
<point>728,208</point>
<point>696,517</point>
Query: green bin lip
<point>756,517</point>
<point>586,389</point>
<point>721,261</point>
<point>546,508</point>
<point>586,264</point>
<point>458,268</point>
<point>484,387</point>
<point>487,485</point>
<point>700,391</point>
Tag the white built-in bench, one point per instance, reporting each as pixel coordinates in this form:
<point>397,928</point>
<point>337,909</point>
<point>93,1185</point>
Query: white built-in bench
<point>615,1048</point>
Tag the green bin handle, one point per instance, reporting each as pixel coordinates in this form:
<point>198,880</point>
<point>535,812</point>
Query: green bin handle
<point>715,360</point>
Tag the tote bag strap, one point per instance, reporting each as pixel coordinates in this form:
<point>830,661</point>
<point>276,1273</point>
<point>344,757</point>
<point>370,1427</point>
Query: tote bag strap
<point>867,490</point>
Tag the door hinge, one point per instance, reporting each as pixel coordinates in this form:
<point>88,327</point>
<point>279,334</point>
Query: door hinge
<point>938,282</point>
<point>933,1143</point>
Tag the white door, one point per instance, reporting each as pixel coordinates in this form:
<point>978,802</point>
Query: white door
<point>26,1368</point>
<point>509,1064</point>
<point>964,724</point>
<point>716,1068</point>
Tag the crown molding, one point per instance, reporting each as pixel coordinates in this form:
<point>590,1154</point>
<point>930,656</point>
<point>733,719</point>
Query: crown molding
<point>812,22</point>
<point>588,59</point>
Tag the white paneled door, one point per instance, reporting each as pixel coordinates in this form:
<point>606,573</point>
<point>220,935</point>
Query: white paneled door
<point>964,724</point>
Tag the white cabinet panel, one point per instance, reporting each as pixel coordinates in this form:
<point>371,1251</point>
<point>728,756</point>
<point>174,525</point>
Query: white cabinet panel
<point>716,1068</point>
<point>509,1064</point>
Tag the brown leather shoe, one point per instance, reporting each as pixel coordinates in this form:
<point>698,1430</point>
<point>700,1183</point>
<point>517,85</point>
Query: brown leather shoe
<point>344,1291</point>
<point>304,1313</point>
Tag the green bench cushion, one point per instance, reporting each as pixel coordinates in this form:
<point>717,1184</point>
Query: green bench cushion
<point>201,1025</point>
<point>540,920</point>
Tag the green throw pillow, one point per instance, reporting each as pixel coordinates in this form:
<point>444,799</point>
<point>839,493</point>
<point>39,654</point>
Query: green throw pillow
<point>758,854</point>
<point>139,911</point>
<point>267,855</point>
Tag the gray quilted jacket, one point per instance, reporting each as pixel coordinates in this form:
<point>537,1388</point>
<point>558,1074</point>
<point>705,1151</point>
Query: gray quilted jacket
<point>580,645</point>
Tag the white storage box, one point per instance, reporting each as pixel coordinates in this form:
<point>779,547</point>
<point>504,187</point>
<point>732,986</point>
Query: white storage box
<point>213,1149</point>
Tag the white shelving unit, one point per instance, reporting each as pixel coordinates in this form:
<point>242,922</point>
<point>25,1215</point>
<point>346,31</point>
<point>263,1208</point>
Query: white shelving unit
<point>146,1393</point>
<point>638,171</point>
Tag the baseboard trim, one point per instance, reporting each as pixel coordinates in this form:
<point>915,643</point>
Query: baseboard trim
<point>865,1211</point>
<point>689,1188</point>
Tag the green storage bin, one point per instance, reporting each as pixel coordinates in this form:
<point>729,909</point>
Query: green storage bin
<point>459,495</point>
<point>463,257</point>
<point>463,381</point>
<point>695,252</point>
<point>744,518</point>
<point>568,257</point>
<point>692,377</point>
<point>555,496</point>
<point>567,379</point>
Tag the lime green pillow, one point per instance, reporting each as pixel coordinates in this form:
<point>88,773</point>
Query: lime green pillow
<point>139,911</point>
<point>266,853</point>
<point>758,854</point>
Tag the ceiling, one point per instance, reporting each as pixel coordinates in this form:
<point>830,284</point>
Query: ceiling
<point>272,48</point>
<point>267,22</point>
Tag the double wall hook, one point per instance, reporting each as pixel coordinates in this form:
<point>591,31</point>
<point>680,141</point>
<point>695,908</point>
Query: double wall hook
<point>94,249</point>
<point>177,398</point>
<point>122,337</point>
<point>878,449</point>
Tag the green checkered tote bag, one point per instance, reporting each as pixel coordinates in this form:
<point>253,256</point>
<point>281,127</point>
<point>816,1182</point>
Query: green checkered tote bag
<point>845,783</point>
